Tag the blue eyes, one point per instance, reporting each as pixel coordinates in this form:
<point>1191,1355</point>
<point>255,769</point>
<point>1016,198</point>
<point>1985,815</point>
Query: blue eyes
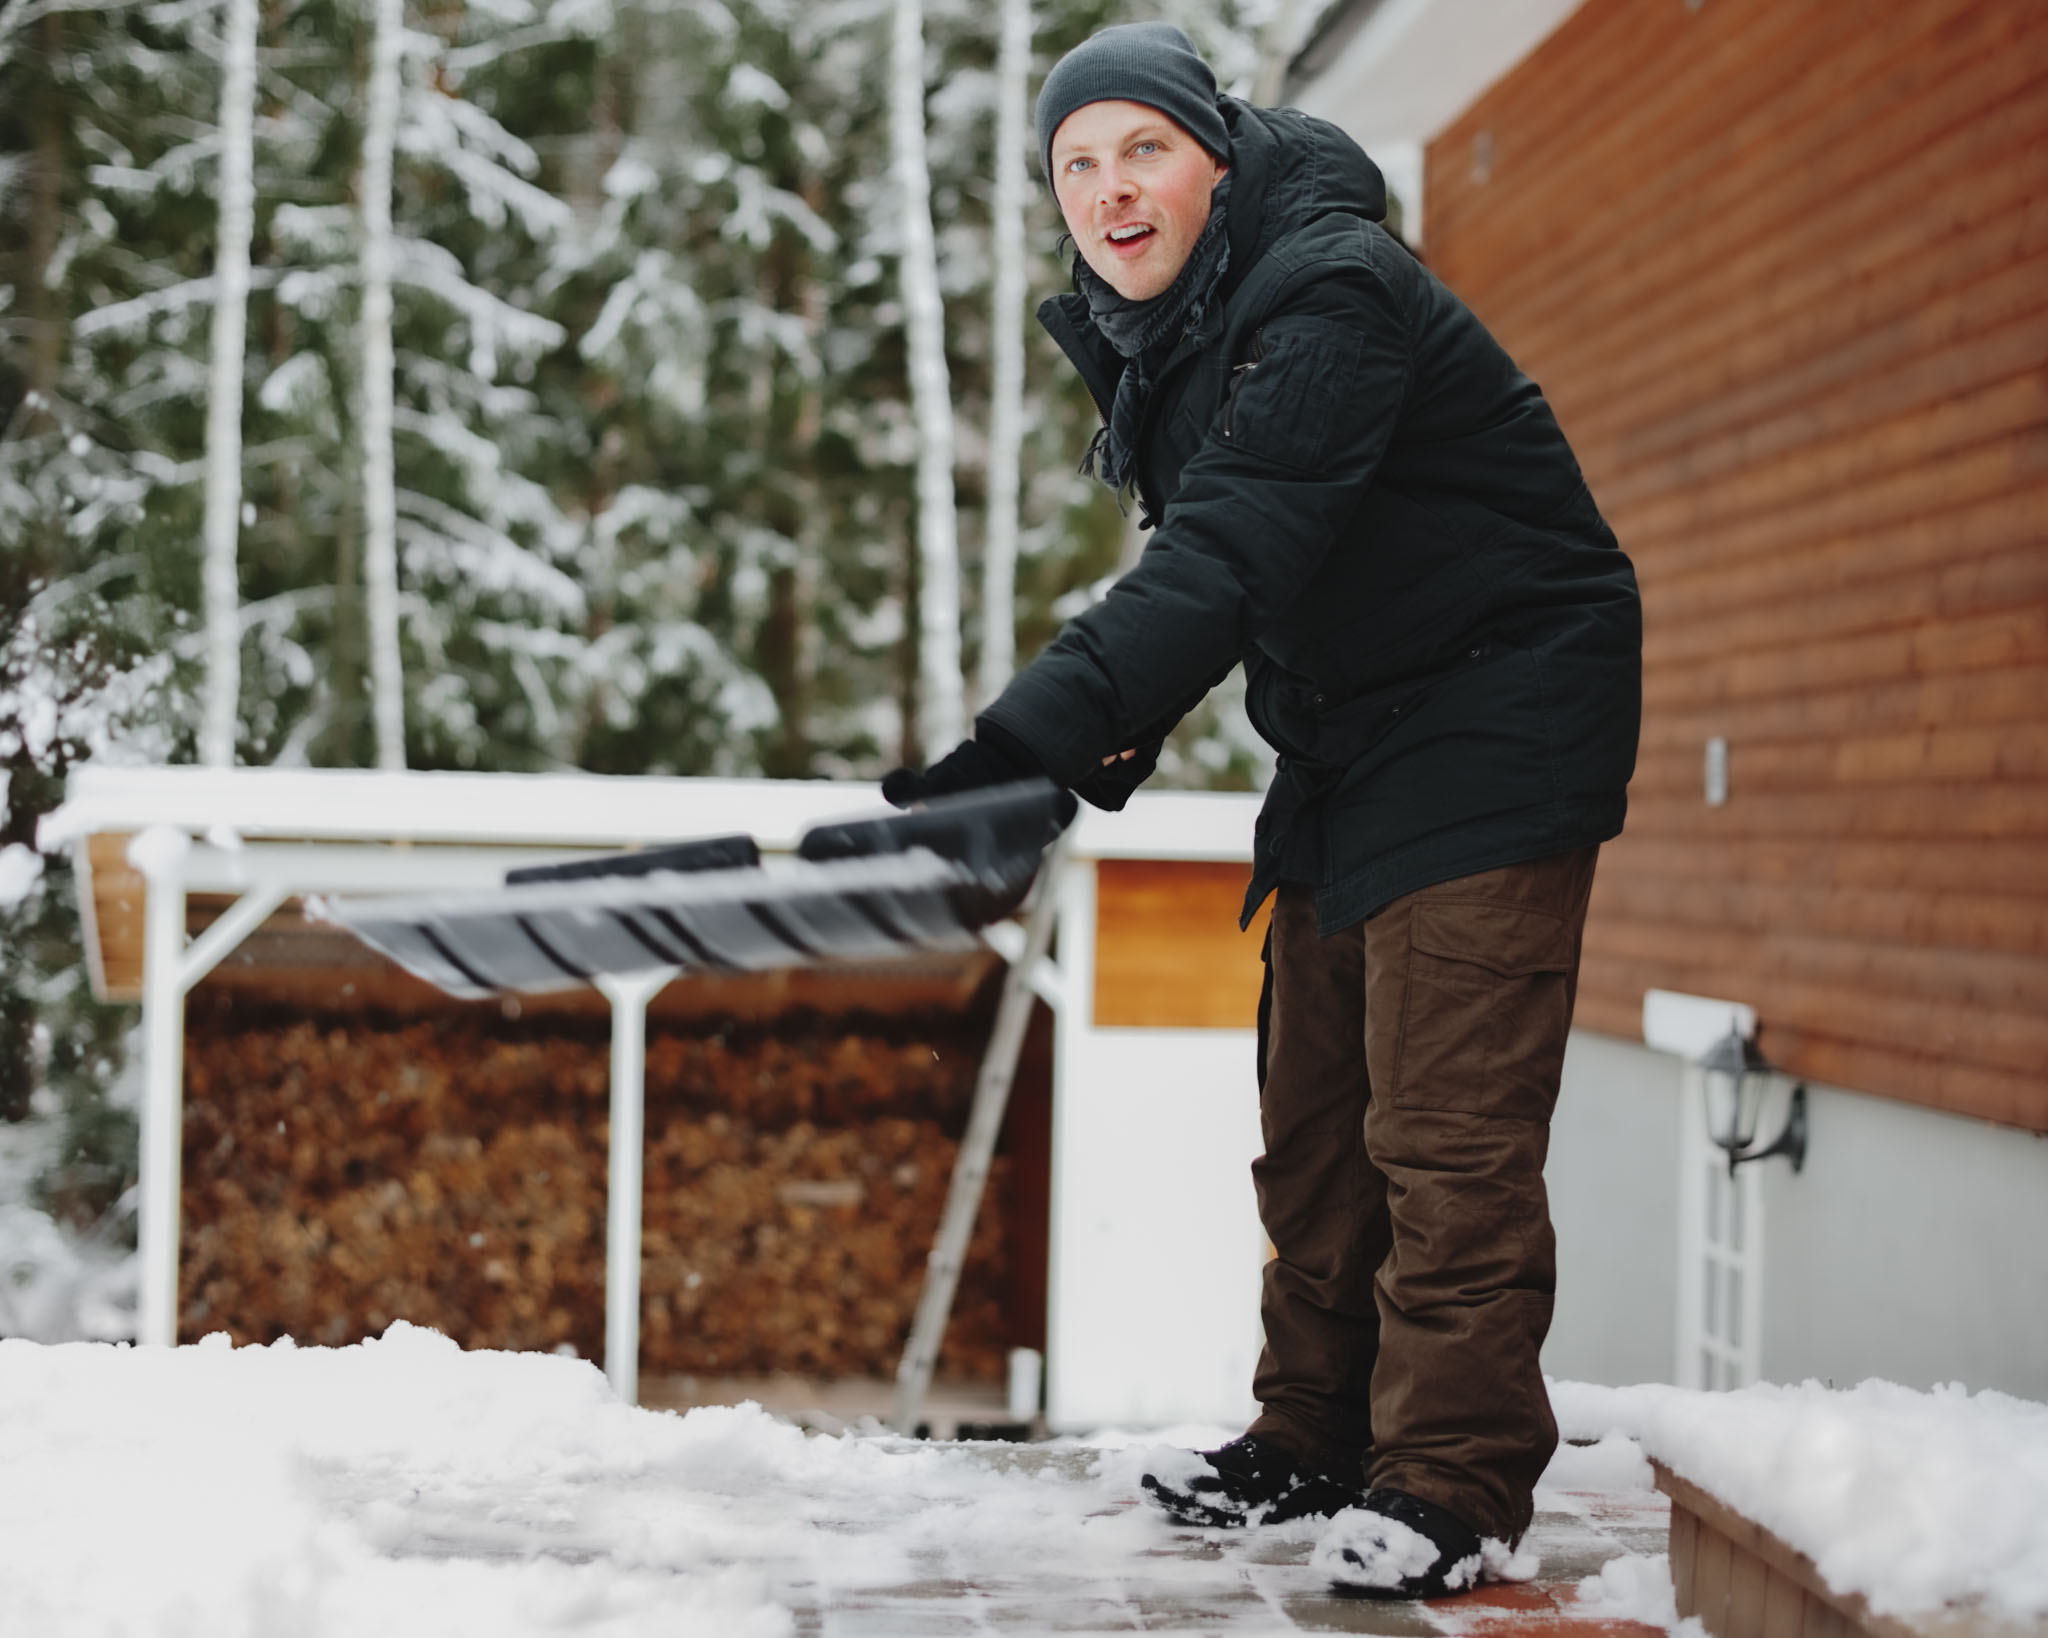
<point>1146,149</point>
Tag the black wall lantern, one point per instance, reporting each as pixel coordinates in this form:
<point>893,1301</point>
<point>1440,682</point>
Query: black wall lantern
<point>1737,1077</point>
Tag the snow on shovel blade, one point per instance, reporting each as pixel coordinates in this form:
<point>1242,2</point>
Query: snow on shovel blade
<point>859,890</point>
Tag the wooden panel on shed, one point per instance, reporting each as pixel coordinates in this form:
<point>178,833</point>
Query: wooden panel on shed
<point>1168,953</point>
<point>119,898</point>
<point>1783,272</point>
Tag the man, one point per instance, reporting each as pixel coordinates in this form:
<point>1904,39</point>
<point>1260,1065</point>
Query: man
<point>1360,498</point>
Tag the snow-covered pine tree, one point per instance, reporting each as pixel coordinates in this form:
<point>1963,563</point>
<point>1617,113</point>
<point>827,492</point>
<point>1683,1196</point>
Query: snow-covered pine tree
<point>83,664</point>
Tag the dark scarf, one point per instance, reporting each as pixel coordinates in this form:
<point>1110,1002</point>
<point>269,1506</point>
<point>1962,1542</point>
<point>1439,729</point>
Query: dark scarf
<point>1145,333</point>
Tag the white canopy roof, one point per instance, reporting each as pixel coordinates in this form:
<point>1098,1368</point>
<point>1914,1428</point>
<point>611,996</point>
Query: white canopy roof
<point>568,810</point>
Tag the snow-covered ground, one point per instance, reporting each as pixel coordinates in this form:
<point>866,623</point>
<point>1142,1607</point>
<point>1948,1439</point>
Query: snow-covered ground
<point>402,1486</point>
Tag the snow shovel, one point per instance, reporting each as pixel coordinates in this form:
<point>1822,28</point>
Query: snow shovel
<point>857,890</point>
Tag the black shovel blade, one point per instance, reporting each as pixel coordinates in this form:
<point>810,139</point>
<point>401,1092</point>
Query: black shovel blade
<point>554,935</point>
<point>862,890</point>
<point>998,835</point>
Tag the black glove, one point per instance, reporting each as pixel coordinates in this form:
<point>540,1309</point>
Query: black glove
<point>1115,782</point>
<point>992,757</point>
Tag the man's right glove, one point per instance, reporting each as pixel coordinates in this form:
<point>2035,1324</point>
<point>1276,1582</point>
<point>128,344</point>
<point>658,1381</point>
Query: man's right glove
<point>1117,780</point>
<point>992,757</point>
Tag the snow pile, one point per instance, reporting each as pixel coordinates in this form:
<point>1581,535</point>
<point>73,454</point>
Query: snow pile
<point>1915,1500</point>
<point>1633,1587</point>
<point>403,1487</point>
<point>1613,1462</point>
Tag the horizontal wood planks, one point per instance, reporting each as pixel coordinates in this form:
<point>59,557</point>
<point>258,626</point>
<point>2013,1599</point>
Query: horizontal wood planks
<point>1168,954</point>
<point>1783,272</point>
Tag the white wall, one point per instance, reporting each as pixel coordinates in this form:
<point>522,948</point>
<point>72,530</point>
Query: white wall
<point>1153,1290</point>
<point>1157,1249</point>
<point>1913,1246</point>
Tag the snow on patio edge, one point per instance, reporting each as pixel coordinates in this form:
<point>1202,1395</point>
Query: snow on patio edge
<point>1914,1500</point>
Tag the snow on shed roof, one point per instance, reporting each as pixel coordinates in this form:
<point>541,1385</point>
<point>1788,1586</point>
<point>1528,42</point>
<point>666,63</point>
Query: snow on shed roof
<point>566,809</point>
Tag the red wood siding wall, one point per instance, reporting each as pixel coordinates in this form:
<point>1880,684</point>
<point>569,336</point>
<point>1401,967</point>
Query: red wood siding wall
<point>1783,270</point>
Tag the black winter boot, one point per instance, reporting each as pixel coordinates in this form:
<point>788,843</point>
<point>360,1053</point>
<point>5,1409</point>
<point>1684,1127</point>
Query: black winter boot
<point>1394,1545</point>
<point>1254,1481</point>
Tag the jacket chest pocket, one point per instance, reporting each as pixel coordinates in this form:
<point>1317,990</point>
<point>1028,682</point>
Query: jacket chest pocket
<point>1285,394</point>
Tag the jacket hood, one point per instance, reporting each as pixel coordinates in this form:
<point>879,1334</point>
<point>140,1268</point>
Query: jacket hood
<point>1292,170</point>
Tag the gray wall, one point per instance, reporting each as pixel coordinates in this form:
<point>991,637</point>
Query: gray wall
<point>1613,1179</point>
<point>1914,1247</point>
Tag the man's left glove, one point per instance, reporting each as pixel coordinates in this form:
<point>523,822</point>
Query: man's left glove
<point>992,757</point>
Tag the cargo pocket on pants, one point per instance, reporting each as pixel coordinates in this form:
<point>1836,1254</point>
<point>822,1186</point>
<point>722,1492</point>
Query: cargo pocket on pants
<point>1486,1009</point>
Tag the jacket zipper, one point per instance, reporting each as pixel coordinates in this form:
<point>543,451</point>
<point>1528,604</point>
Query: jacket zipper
<point>1181,356</point>
<point>1238,372</point>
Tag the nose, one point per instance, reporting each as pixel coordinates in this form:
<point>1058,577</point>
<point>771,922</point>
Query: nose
<point>1111,187</point>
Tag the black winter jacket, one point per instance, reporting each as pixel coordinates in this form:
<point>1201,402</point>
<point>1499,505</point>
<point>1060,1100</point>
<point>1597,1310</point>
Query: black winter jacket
<point>1361,499</point>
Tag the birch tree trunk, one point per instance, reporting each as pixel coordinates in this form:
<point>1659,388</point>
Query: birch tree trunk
<point>380,503</point>
<point>1006,328</point>
<point>942,716</point>
<point>223,517</point>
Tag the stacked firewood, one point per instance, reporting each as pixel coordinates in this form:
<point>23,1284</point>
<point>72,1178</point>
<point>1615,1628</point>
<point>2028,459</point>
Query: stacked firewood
<point>452,1172</point>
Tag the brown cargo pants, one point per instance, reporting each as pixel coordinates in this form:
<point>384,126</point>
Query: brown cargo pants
<point>1409,1066</point>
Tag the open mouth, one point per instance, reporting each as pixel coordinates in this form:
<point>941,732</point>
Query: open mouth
<point>1129,238</point>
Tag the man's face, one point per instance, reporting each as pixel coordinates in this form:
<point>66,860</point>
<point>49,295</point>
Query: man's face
<point>1134,188</point>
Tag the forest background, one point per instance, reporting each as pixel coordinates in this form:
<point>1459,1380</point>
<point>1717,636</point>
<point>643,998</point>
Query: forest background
<point>653,439</point>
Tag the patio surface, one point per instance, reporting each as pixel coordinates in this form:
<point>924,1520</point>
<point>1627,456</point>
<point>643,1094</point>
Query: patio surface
<point>1238,1583</point>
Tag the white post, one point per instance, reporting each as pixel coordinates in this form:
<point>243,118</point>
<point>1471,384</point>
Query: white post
<point>159,853</point>
<point>629,994</point>
<point>1067,1246</point>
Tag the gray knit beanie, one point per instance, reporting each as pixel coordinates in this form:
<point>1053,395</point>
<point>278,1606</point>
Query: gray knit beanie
<point>1152,63</point>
